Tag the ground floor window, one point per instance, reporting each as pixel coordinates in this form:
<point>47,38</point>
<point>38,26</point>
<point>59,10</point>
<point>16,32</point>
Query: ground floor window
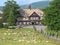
<point>20,23</point>
<point>37,18</point>
<point>37,22</point>
<point>24,23</point>
<point>28,23</point>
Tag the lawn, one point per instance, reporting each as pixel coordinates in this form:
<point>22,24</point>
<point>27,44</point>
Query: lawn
<point>24,36</point>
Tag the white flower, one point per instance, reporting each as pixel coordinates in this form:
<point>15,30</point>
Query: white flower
<point>3,38</point>
<point>23,37</point>
<point>28,41</point>
<point>14,33</point>
<point>20,40</point>
<point>39,41</point>
<point>14,39</point>
<point>9,33</point>
<point>5,33</point>
<point>47,41</point>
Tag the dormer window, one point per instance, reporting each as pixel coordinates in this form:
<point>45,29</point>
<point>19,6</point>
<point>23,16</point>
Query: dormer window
<point>34,14</point>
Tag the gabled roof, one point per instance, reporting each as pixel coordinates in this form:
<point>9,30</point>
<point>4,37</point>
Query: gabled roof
<point>30,11</point>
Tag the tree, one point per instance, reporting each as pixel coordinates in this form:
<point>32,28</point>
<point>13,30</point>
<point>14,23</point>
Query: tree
<point>1,23</point>
<point>10,4</point>
<point>52,15</point>
<point>11,18</point>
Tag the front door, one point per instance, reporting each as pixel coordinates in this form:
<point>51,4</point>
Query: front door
<point>33,23</point>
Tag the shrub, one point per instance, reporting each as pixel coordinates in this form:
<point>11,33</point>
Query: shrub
<point>1,23</point>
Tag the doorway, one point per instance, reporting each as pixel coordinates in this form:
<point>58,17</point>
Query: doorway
<point>33,23</point>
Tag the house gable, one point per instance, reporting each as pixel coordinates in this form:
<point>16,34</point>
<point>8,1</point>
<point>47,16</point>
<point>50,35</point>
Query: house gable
<point>34,14</point>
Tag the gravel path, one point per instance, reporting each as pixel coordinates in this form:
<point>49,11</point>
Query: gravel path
<point>30,26</point>
<point>38,27</point>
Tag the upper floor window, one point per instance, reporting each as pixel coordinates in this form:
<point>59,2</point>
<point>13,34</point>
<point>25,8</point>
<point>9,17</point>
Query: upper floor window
<point>37,18</point>
<point>34,18</point>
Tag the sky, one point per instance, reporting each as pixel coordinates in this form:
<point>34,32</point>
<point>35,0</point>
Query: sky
<point>21,2</point>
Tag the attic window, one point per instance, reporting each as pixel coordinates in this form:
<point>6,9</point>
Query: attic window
<point>34,13</point>
<point>37,18</point>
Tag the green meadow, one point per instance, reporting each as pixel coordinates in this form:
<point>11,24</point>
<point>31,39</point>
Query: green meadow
<point>24,36</point>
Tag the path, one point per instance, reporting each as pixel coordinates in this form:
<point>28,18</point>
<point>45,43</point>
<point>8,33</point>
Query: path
<point>30,26</point>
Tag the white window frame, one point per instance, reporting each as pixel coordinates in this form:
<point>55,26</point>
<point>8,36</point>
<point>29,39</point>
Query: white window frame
<point>37,22</point>
<point>37,18</point>
<point>24,23</point>
<point>27,22</point>
<point>20,23</point>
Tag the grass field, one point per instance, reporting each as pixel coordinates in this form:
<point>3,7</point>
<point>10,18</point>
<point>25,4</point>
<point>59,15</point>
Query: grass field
<point>24,36</point>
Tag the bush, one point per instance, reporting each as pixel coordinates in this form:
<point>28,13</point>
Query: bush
<point>5,26</point>
<point>1,23</point>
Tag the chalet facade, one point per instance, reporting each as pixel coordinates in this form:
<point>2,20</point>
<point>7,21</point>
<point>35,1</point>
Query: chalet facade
<point>30,17</point>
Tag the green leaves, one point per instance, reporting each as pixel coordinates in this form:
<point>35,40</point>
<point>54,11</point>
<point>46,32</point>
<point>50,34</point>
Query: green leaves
<point>11,18</point>
<point>52,15</point>
<point>1,23</point>
<point>10,11</point>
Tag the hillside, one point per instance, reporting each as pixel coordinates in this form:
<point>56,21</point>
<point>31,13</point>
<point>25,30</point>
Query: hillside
<point>40,4</point>
<point>1,7</point>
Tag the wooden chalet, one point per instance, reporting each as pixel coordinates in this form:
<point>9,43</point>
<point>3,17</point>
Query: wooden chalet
<point>30,17</point>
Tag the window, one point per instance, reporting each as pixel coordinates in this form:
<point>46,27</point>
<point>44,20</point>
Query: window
<point>34,14</point>
<point>27,22</point>
<point>37,18</point>
<point>20,23</point>
<point>24,22</point>
<point>34,18</point>
<point>31,18</point>
<point>37,22</point>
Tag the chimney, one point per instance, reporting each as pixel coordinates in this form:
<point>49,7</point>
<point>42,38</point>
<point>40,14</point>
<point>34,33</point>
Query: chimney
<point>29,6</point>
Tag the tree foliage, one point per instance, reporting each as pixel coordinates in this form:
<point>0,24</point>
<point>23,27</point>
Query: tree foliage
<point>52,15</point>
<point>11,18</point>
<point>11,8</point>
<point>1,23</point>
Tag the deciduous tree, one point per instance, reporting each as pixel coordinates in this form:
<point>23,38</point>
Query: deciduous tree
<point>52,15</point>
